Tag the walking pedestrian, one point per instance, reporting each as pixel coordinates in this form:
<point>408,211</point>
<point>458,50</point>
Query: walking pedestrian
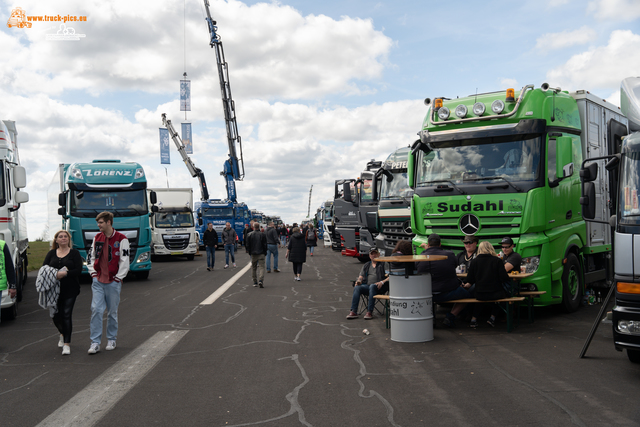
<point>210,240</point>
<point>229,237</point>
<point>283,233</point>
<point>68,262</point>
<point>272,247</point>
<point>257,247</point>
<point>311,238</point>
<point>296,252</point>
<point>245,232</point>
<point>108,264</point>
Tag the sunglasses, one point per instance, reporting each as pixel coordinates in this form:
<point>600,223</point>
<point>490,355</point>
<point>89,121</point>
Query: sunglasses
<point>468,243</point>
<point>506,247</point>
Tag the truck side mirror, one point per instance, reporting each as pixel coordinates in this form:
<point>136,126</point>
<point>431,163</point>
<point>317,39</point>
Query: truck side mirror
<point>19,177</point>
<point>410,169</point>
<point>199,219</point>
<point>61,211</point>
<point>62,199</point>
<point>153,198</point>
<point>588,200</point>
<point>372,220</point>
<point>564,157</point>
<point>589,173</point>
<point>346,191</point>
<point>154,209</point>
<point>21,197</point>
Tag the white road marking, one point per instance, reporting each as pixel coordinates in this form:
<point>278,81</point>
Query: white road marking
<point>222,289</point>
<point>92,403</point>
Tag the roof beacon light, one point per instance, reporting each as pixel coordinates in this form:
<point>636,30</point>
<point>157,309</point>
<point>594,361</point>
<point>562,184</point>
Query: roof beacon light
<point>511,95</point>
<point>443,113</point>
<point>479,108</point>
<point>437,103</point>
<point>461,111</point>
<point>497,106</point>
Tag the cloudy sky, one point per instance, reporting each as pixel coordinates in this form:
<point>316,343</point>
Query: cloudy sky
<point>320,87</point>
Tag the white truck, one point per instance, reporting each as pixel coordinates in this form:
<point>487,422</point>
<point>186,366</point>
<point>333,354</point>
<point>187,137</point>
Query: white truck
<point>173,230</point>
<point>13,224</point>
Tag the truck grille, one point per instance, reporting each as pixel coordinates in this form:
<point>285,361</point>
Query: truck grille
<point>492,229</point>
<point>394,231</point>
<point>176,242</point>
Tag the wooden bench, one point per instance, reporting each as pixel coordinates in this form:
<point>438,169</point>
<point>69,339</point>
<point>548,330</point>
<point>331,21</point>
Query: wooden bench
<point>509,304</point>
<point>530,295</point>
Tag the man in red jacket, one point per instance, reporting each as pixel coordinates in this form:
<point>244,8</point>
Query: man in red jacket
<point>108,264</point>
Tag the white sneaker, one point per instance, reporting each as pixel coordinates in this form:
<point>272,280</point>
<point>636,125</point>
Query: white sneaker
<point>66,350</point>
<point>234,265</point>
<point>226,266</point>
<point>111,345</point>
<point>61,341</point>
<point>94,348</point>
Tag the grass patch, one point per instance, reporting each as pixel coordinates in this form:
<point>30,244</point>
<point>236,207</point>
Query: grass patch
<point>37,251</point>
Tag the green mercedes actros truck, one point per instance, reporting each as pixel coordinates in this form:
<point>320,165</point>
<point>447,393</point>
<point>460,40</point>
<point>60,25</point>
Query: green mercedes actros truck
<point>83,190</point>
<point>506,164</point>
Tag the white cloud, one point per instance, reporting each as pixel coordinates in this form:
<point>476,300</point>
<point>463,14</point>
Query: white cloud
<point>615,10</point>
<point>602,67</point>
<point>567,38</point>
<point>507,83</point>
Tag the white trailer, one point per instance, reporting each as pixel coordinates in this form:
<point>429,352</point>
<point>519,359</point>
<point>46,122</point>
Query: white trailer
<point>13,224</point>
<point>173,230</point>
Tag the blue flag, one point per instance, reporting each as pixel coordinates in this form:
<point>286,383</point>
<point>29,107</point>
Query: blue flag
<point>185,95</point>
<point>165,153</point>
<point>186,138</point>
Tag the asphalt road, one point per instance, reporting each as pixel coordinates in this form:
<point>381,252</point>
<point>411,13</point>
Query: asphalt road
<point>286,355</point>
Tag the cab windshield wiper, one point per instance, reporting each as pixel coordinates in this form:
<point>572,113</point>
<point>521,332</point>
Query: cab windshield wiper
<point>447,181</point>
<point>496,177</point>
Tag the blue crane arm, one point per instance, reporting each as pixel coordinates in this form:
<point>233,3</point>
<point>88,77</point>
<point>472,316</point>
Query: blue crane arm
<point>191,167</point>
<point>234,166</point>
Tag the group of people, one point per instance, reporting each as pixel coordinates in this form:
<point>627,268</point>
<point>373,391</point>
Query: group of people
<point>487,276</point>
<point>210,241</point>
<point>58,282</point>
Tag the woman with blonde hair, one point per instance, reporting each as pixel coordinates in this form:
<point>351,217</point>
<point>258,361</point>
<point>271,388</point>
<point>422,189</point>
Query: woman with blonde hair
<point>68,262</point>
<point>488,273</point>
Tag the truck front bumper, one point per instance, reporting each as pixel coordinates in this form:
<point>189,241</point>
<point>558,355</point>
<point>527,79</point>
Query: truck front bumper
<point>162,250</point>
<point>626,326</point>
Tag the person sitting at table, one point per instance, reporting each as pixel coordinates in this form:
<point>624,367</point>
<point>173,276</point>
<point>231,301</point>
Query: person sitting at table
<point>511,259</point>
<point>470,251</point>
<point>444,281</point>
<point>488,273</point>
<point>371,281</point>
<point>403,247</point>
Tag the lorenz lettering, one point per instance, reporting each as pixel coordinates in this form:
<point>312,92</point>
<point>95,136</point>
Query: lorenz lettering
<point>471,207</point>
<point>89,172</point>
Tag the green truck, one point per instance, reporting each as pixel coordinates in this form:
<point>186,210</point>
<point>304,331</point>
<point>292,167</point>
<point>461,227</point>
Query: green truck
<point>83,190</point>
<point>506,164</point>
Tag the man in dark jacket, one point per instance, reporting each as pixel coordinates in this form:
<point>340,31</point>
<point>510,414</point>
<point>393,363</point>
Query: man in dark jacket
<point>273,243</point>
<point>229,238</point>
<point>257,247</point>
<point>372,280</point>
<point>444,281</point>
<point>210,240</point>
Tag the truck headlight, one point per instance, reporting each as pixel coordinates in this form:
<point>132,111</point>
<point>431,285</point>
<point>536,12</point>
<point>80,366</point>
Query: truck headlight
<point>143,257</point>
<point>461,111</point>
<point>478,109</point>
<point>443,113</point>
<point>139,173</point>
<point>497,106</point>
<point>629,327</point>
<point>531,264</point>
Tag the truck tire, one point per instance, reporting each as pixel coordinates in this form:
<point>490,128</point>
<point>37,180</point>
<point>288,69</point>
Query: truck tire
<point>142,275</point>
<point>19,282</point>
<point>363,258</point>
<point>633,355</point>
<point>10,313</point>
<point>571,284</point>
<point>190,257</point>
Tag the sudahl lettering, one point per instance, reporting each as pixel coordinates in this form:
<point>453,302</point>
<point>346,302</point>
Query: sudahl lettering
<point>471,207</point>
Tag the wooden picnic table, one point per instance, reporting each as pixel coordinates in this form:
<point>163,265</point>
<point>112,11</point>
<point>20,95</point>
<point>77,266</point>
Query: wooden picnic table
<point>411,258</point>
<point>515,276</point>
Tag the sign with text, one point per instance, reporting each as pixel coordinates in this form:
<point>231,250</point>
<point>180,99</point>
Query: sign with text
<point>186,138</point>
<point>165,153</point>
<point>185,95</point>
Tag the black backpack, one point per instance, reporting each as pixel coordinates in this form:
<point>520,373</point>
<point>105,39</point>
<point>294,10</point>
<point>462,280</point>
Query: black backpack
<point>312,233</point>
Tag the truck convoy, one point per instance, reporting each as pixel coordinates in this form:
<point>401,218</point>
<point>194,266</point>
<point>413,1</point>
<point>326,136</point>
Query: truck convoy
<point>13,224</point>
<point>502,165</point>
<point>394,201</point>
<point>623,166</point>
<point>85,189</point>
<point>173,230</point>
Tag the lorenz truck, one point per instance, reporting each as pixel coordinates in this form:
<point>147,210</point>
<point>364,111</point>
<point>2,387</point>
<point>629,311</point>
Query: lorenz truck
<point>506,164</point>
<point>83,190</point>
<point>13,224</point>
<point>173,229</point>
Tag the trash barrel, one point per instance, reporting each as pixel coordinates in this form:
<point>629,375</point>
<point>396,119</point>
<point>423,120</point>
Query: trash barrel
<point>410,308</point>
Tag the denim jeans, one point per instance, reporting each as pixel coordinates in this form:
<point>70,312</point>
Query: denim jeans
<point>211,256</point>
<point>365,289</point>
<point>311,249</point>
<point>283,240</point>
<point>272,249</point>
<point>457,293</point>
<point>105,296</point>
<point>229,249</point>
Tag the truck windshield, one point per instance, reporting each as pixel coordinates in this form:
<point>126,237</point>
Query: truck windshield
<point>629,183</point>
<point>218,213</point>
<point>480,161</point>
<point>120,203</point>
<point>397,188</point>
<point>174,219</point>
<point>366,190</point>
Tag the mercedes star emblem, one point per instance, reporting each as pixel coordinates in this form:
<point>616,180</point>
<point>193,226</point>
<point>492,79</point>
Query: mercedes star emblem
<point>469,224</point>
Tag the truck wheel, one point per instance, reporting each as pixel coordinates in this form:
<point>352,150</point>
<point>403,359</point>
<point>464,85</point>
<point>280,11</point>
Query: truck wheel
<point>571,284</point>
<point>633,355</point>
<point>143,275</point>
<point>10,313</point>
<point>19,283</point>
<point>363,258</point>
<point>190,257</point>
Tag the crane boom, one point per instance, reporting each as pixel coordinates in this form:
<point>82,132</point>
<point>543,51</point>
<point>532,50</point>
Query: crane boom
<point>234,166</point>
<point>191,167</point>
<point>309,210</point>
